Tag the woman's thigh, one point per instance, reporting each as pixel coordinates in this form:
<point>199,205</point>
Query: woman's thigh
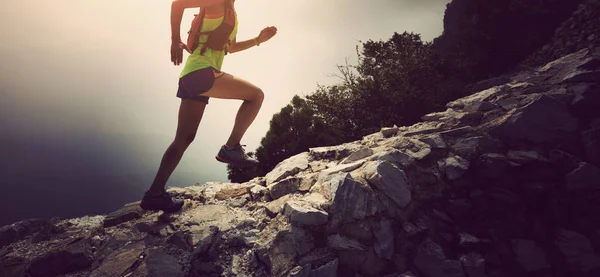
<point>228,86</point>
<point>190,115</point>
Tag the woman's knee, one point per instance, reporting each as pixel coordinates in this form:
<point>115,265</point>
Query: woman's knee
<point>184,140</point>
<point>259,96</point>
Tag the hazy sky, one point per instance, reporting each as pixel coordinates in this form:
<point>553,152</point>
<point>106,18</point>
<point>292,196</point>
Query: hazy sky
<point>93,81</point>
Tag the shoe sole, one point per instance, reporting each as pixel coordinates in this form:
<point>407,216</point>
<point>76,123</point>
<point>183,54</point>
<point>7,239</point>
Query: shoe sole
<point>232,163</point>
<point>159,209</point>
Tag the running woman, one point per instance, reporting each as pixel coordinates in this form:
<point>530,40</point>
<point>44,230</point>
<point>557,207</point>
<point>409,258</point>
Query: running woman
<point>200,79</point>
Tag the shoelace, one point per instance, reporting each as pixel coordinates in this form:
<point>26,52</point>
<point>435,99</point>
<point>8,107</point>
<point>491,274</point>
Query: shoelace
<point>244,150</point>
<point>167,196</point>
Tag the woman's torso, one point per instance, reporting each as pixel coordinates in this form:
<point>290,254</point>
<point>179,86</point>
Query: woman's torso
<point>211,58</point>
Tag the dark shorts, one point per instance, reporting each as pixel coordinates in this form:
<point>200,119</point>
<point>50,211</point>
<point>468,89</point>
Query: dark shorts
<point>193,84</point>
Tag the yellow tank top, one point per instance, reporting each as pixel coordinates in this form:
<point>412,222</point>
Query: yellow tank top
<point>211,58</point>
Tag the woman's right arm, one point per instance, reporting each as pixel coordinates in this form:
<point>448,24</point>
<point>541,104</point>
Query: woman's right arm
<point>177,8</point>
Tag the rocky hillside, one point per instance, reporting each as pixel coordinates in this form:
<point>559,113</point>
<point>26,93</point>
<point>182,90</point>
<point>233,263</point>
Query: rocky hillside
<point>505,182</point>
<point>581,30</point>
<point>484,38</point>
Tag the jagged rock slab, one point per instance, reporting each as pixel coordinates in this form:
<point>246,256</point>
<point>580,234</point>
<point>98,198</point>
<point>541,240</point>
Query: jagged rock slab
<point>274,207</point>
<point>73,255</point>
<point>128,212</point>
<point>120,261</point>
<point>388,132</point>
<point>586,102</point>
<point>432,261</point>
<point>529,255</point>
<point>372,140</point>
<point>384,239</point>
<point>437,116</point>
<point>470,148</point>
<point>308,181</point>
<point>182,240</point>
<point>395,156</point>
<point>434,141</point>
<point>158,264</point>
<point>491,166</point>
<point>341,168</point>
<point>203,239</point>
<point>413,229</point>
<point>525,157</point>
<point>544,119</point>
<point>476,101</point>
<point>357,155</point>
<point>115,241</point>
<point>578,251</point>
<point>229,191</point>
<point>473,264</point>
<point>334,152</point>
<point>391,180</point>
<point>349,200</point>
<point>457,132</point>
<point>454,167</point>
<point>21,229</point>
<point>288,167</point>
<point>284,187</point>
<point>586,176</point>
<point>303,213</point>
<point>360,230</point>
<point>221,216</point>
<point>316,200</point>
<point>281,244</point>
<point>422,128</point>
<point>258,192</point>
<point>211,190</point>
<point>342,243</point>
<point>583,77</point>
<point>300,271</point>
<point>327,270</point>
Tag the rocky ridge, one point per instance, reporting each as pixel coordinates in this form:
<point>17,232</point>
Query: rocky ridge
<point>580,31</point>
<point>505,182</point>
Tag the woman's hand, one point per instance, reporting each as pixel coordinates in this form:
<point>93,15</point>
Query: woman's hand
<point>266,34</point>
<point>177,51</point>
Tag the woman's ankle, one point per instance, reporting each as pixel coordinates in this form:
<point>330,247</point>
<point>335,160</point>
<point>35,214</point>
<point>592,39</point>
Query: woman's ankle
<point>155,191</point>
<point>231,145</point>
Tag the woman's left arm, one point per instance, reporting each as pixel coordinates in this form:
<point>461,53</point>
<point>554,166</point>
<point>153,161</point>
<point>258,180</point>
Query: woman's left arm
<point>265,35</point>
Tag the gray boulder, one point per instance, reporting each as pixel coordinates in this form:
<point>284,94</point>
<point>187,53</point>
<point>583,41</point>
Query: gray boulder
<point>280,244</point>
<point>158,264</point>
<point>453,166</point>
<point>529,255</point>
<point>126,213</point>
<point>544,119</point>
<point>120,261</point>
<point>288,167</point>
<point>384,239</point>
<point>357,155</point>
<point>349,199</point>
<point>432,262</point>
<point>578,251</point>
<point>301,212</point>
<point>286,186</point>
<point>342,243</point>
<point>391,180</point>
<point>337,152</point>
<point>585,177</point>
<point>19,230</point>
